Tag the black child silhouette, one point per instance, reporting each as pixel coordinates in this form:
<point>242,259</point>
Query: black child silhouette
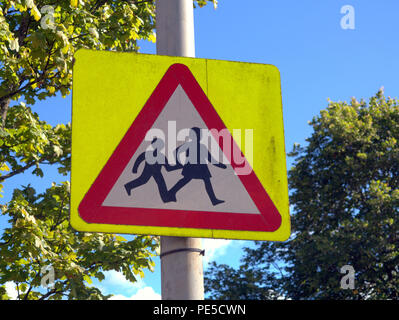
<point>154,160</point>
<point>196,166</point>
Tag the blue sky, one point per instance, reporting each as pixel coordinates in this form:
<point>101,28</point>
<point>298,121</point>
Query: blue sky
<point>317,60</point>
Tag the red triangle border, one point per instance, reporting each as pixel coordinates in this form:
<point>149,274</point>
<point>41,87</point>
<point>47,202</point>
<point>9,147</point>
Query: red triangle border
<point>91,209</point>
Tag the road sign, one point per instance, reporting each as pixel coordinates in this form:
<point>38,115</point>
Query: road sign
<point>161,145</point>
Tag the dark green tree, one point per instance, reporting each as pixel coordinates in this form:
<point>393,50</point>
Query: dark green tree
<point>344,191</point>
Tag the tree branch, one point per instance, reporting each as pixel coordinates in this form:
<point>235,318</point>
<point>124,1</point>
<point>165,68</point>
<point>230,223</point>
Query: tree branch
<point>23,28</point>
<point>4,105</point>
<point>20,170</point>
<point>53,291</point>
<point>30,288</point>
<point>17,284</point>
<point>49,293</point>
<point>97,5</point>
<point>7,242</point>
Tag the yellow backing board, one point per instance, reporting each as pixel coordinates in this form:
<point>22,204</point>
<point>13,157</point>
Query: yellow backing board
<point>109,91</point>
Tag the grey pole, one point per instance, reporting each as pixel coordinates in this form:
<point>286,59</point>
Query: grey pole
<point>181,263</point>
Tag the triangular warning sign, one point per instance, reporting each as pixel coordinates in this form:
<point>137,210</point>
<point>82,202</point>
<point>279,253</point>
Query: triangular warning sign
<point>155,177</point>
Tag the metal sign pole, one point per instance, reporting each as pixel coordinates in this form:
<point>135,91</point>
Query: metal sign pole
<point>181,258</point>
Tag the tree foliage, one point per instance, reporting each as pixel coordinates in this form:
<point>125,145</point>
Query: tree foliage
<point>223,282</point>
<point>41,237</point>
<point>344,189</point>
<point>38,39</point>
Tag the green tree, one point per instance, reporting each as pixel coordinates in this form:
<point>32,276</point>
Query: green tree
<point>38,39</point>
<point>344,189</point>
<point>41,238</point>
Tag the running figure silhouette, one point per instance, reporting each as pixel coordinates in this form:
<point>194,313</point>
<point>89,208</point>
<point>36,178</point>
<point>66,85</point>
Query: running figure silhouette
<point>154,160</point>
<point>196,166</point>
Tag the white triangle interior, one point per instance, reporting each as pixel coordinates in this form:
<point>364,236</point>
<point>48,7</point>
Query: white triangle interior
<point>193,197</point>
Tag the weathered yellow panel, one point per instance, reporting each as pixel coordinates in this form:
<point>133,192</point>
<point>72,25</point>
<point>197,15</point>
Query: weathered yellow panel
<point>110,89</point>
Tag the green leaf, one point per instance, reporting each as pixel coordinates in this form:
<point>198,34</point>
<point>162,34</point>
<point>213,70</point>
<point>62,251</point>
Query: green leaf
<point>87,279</point>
